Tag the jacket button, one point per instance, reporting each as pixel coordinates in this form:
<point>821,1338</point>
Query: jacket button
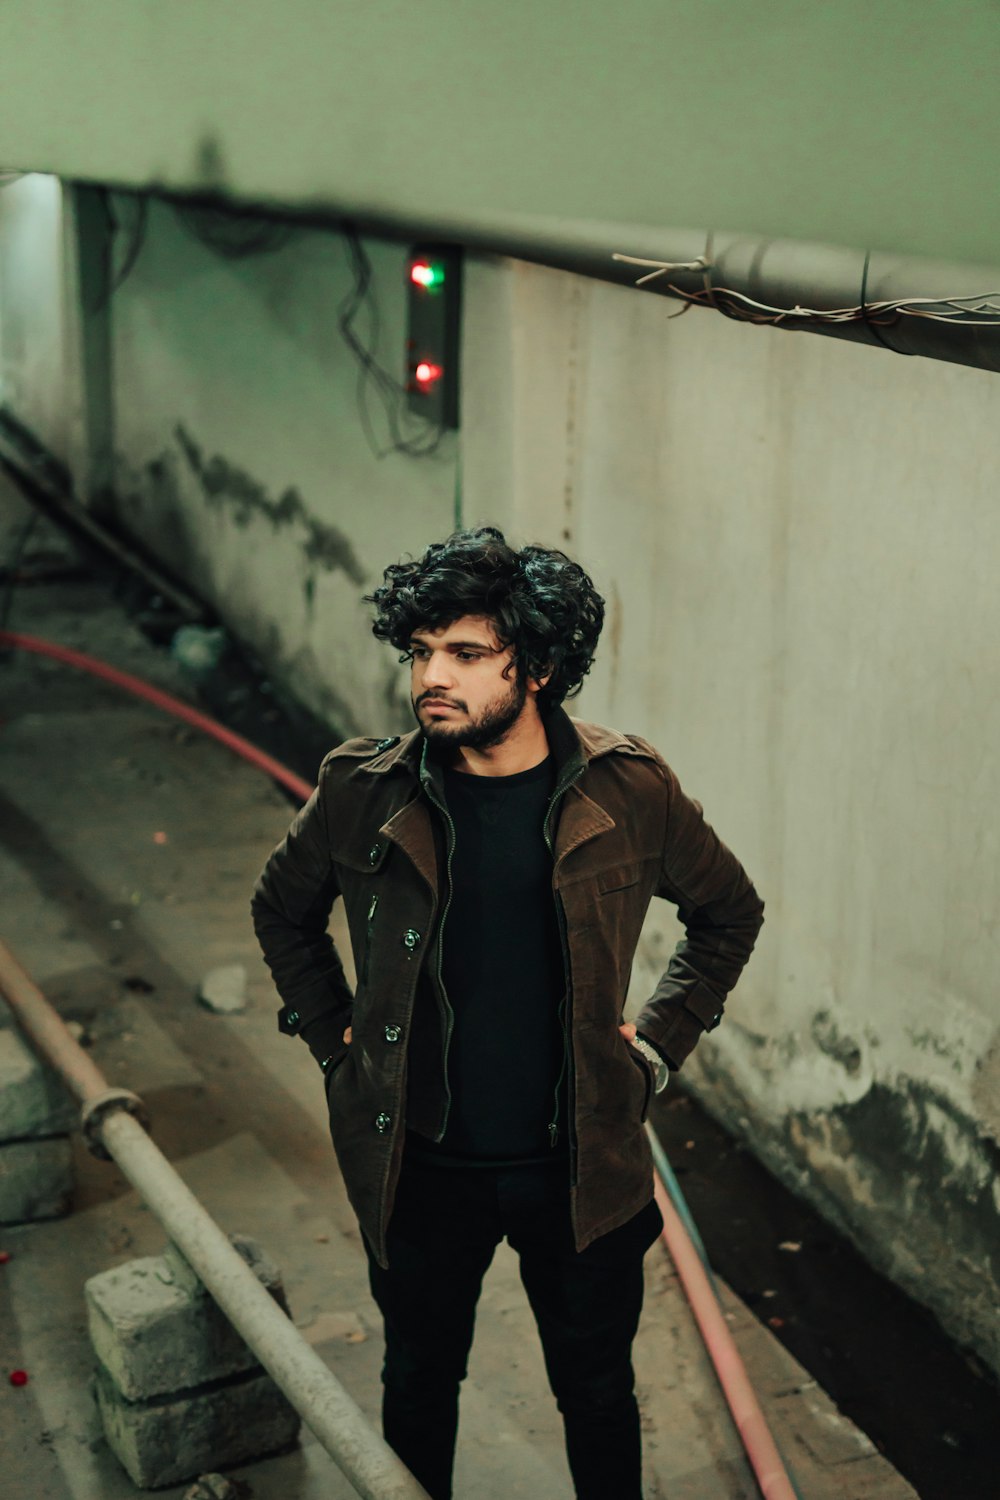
<point>388,744</point>
<point>292,1018</point>
<point>382,1122</point>
<point>411,939</point>
<point>373,854</point>
<point>393,1033</point>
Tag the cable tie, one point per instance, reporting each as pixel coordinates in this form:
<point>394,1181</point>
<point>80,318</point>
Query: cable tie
<point>868,322</point>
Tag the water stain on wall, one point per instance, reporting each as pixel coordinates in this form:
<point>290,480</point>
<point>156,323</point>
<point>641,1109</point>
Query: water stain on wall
<point>228,487</point>
<point>830,1041</point>
<point>905,1172</point>
<point>908,1149</point>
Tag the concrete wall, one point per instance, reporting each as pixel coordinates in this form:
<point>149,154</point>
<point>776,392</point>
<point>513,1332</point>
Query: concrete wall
<point>797,540</point>
<point>243,461</point>
<point>32,307</point>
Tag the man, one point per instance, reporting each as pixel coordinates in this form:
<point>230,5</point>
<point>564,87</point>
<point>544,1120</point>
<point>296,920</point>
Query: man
<point>496,865</point>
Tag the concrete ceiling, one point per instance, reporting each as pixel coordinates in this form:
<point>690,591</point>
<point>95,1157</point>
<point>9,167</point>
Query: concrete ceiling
<point>865,123</point>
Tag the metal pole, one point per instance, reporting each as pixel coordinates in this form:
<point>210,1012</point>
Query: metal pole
<point>337,1422</point>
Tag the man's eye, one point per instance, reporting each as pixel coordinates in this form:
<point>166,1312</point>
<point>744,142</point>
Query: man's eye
<point>467,655</point>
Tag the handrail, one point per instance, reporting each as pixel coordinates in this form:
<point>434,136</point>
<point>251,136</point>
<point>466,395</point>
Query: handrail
<point>338,1423</point>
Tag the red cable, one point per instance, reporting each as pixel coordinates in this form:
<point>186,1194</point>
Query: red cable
<point>166,701</point>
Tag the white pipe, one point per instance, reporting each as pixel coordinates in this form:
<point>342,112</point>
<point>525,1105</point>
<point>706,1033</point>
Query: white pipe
<point>326,1408</point>
<point>329,1412</point>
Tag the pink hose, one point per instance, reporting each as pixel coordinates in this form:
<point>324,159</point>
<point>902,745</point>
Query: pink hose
<point>749,1419</point>
<point>166,701</point>
<point>750,1422</point>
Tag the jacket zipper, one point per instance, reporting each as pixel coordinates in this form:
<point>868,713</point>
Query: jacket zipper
<point>564,1022</point>
<point>373,908</point>
<point>449,1013</point>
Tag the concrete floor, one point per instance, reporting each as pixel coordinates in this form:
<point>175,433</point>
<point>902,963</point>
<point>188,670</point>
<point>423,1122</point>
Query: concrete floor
<point>118,930</point>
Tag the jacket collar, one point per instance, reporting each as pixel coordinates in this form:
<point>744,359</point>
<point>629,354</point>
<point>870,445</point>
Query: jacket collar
<point>573,742</point>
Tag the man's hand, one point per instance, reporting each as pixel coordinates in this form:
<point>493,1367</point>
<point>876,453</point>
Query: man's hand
<point>349,1033</point>
<point>627,1031</point>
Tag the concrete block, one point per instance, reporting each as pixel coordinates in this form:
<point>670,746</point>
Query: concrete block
<point>177,1438</point>
<point>36,1180</point>
<point>33,1099</point>
<point>156,1330</point>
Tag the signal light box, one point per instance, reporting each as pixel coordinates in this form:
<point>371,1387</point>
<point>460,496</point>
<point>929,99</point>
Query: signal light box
<point>434,294</point>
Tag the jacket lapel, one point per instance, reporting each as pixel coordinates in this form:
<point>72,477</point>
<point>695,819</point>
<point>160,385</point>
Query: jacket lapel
<point>580,819</point>
<point>410,830</point>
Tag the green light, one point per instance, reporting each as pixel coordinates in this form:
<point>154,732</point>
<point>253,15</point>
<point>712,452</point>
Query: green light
<point>426,274</point>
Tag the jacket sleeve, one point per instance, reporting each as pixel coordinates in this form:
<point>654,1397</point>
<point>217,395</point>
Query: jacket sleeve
<point>291,908</point>
<point>721,914</point>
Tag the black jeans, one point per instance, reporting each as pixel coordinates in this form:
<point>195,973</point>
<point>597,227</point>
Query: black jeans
<point>445,1226</point>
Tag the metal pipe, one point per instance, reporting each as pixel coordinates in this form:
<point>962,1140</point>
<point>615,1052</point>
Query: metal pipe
<point>338,1423</point>
<point>43,490</point>
<point>48,1032</point>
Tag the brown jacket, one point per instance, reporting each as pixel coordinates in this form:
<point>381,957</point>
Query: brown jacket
<point>375,832</point>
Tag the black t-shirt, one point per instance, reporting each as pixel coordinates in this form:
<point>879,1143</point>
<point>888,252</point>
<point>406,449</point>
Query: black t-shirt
<point>503,973</point>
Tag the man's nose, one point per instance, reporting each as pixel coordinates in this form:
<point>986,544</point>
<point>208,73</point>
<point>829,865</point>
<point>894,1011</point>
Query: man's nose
<point>438,670</point>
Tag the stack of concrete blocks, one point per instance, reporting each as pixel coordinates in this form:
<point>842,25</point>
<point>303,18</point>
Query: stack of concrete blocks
<point>36,1116</point>
<point>178,1390</point>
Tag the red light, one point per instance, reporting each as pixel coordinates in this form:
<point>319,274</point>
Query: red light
<point>426,374</point>
<point>424,273</point>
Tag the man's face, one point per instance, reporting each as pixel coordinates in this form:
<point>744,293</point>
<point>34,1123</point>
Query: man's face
<point>463,684</point>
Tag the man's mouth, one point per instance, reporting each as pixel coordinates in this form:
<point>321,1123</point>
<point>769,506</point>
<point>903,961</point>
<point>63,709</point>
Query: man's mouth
<point>436,703</point>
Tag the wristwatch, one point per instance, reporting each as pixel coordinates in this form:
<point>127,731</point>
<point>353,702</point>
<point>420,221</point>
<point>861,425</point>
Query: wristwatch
<point>660,1070</point>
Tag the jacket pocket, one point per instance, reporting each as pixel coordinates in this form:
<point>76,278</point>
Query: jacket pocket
<point>369,936</point>
<point>647,1074</point>
<point>618,877</point>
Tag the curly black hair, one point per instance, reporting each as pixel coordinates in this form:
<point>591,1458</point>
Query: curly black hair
<point>539,601</point>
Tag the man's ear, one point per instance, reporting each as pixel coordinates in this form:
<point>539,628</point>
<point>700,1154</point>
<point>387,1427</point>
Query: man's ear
<point>535,684</point>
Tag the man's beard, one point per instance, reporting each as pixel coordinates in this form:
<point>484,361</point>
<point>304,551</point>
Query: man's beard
<point>483,733</point>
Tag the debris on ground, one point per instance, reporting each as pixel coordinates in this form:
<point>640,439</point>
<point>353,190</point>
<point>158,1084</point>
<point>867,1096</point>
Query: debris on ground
<point>224,989</point>
<point>217,1487</point>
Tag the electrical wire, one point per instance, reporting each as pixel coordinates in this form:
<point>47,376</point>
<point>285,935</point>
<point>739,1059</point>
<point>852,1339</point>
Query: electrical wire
<point>136,242</point>
<point>139,688</point>
<point>236,236</point>
<point>979,311</point>
<point>391,392</point>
